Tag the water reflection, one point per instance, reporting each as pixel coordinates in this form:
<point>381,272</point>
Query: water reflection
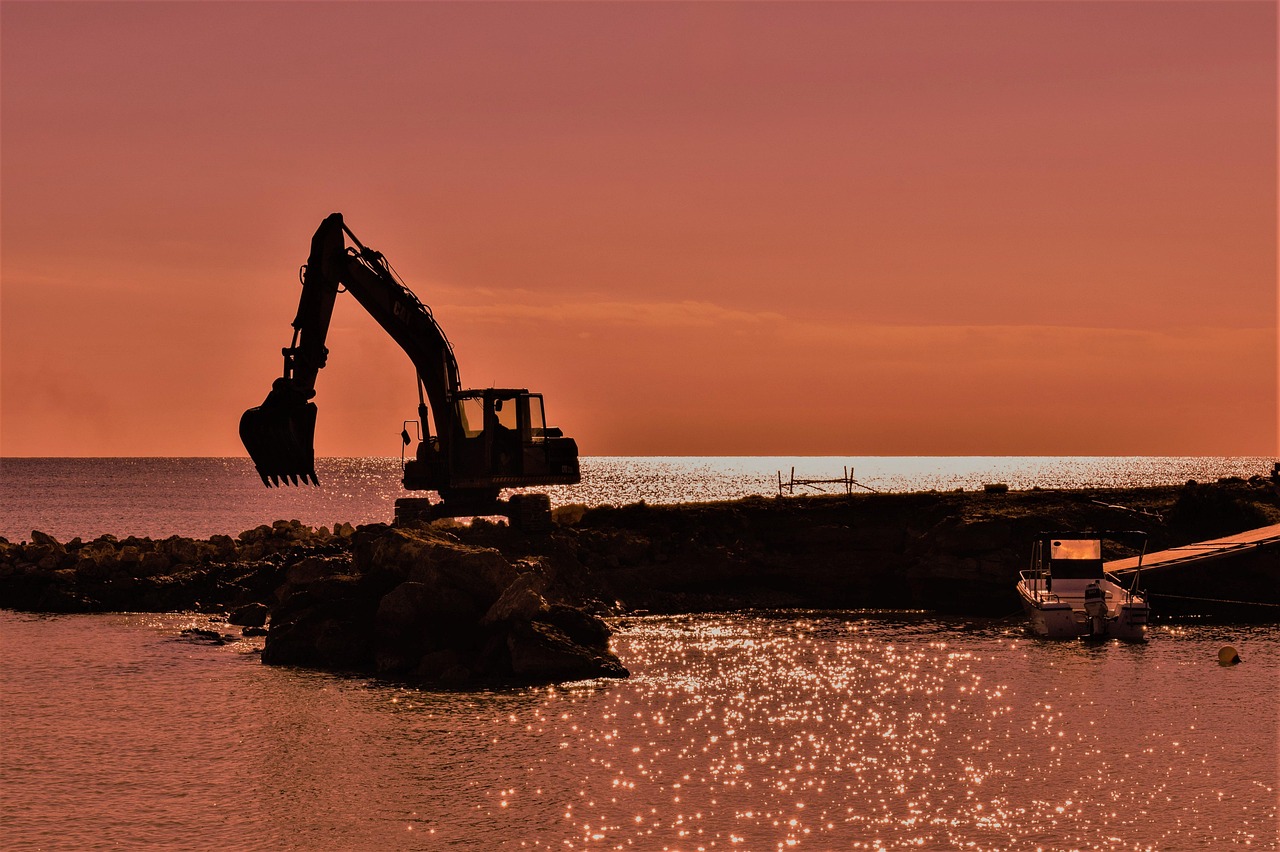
<point>812,730</point>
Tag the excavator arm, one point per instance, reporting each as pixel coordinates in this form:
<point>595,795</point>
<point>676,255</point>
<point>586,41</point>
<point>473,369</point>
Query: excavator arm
<point>280,433</point>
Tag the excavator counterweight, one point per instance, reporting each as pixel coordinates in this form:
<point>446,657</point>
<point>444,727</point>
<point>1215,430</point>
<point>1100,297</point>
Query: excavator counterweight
<point>484,440</point>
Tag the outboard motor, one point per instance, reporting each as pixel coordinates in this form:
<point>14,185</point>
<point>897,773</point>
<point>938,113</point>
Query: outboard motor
<point>1095,606</point>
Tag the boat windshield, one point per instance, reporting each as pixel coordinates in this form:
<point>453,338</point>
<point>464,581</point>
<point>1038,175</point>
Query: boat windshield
<point>1075,549</point>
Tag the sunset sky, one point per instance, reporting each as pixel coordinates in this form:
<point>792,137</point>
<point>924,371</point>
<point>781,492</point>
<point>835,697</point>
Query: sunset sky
<point>787,228</point>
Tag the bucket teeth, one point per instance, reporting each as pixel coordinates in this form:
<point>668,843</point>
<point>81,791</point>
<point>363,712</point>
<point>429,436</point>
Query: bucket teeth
<point>278,479</point>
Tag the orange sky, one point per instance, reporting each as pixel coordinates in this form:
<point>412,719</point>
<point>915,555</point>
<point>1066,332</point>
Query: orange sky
<point>863,228</point>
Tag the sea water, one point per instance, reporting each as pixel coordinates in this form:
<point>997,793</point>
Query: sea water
<point>799,730</point>
<point>199,497</point>
<point>757,731</point>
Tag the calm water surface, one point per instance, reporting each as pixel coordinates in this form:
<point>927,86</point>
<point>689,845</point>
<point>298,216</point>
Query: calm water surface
<point>798,730</point>
<point>160,497</point>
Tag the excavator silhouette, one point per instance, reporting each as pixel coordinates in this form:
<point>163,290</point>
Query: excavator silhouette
<point>485,440</point>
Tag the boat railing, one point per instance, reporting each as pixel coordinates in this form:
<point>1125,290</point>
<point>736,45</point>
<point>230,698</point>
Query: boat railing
<point>1036,579</point>
<point>1129,593</point>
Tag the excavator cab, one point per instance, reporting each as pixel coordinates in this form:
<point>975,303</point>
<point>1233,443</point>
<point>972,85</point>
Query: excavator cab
<point>500,439</point>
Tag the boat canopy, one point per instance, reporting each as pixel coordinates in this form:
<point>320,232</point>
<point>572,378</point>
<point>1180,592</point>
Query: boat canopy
<point>1077,555</point>
<point>1075,558</point>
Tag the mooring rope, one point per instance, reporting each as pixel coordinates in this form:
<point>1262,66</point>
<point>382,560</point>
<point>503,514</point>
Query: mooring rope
<point>1210,600</point>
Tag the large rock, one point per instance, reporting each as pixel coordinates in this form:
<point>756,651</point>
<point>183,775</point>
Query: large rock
<point>311,569</point>
<point>437,558</point>
<point>417,603</point>
<point>249,615</point>
<point>180,550</point>
<point>521,601</point>
<point>41,539</point>
<point>415,618</point>
<point>323,625</point>
<point>153,563</point>
<point>579,626</point>
<point>543,652</point>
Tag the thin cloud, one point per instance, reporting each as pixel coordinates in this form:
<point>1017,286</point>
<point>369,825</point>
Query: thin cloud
<point>593,314</point>
<point>999,342</point>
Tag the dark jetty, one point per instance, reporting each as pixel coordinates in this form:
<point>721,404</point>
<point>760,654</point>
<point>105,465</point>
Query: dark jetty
<point>485,602</point>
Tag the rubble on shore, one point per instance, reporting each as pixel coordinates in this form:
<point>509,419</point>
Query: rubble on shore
<point>484,602</point>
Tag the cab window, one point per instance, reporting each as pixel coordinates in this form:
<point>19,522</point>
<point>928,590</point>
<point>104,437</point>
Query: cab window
<point>537,420</point>
<point>471,416</point>
<point>504,411</point>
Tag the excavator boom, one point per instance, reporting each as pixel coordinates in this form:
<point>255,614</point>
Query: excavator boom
<point>479,446</point>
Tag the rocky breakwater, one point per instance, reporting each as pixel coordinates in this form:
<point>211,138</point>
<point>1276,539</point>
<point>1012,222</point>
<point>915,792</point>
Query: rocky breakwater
<point>950,552</point>
<point>138,574</point>
<point>417,603</point>
<point>485,602</point>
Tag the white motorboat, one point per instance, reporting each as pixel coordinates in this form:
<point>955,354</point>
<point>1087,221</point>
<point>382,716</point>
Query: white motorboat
<point>1067,594</point>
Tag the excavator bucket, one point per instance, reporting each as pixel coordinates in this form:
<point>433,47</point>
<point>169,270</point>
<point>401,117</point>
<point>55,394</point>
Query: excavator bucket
<point>280,435</point>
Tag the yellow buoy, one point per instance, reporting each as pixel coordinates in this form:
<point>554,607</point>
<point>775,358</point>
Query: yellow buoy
<point>1227,656</point>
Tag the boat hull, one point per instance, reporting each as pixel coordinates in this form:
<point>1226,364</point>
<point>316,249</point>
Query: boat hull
<point>1065,619</point>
